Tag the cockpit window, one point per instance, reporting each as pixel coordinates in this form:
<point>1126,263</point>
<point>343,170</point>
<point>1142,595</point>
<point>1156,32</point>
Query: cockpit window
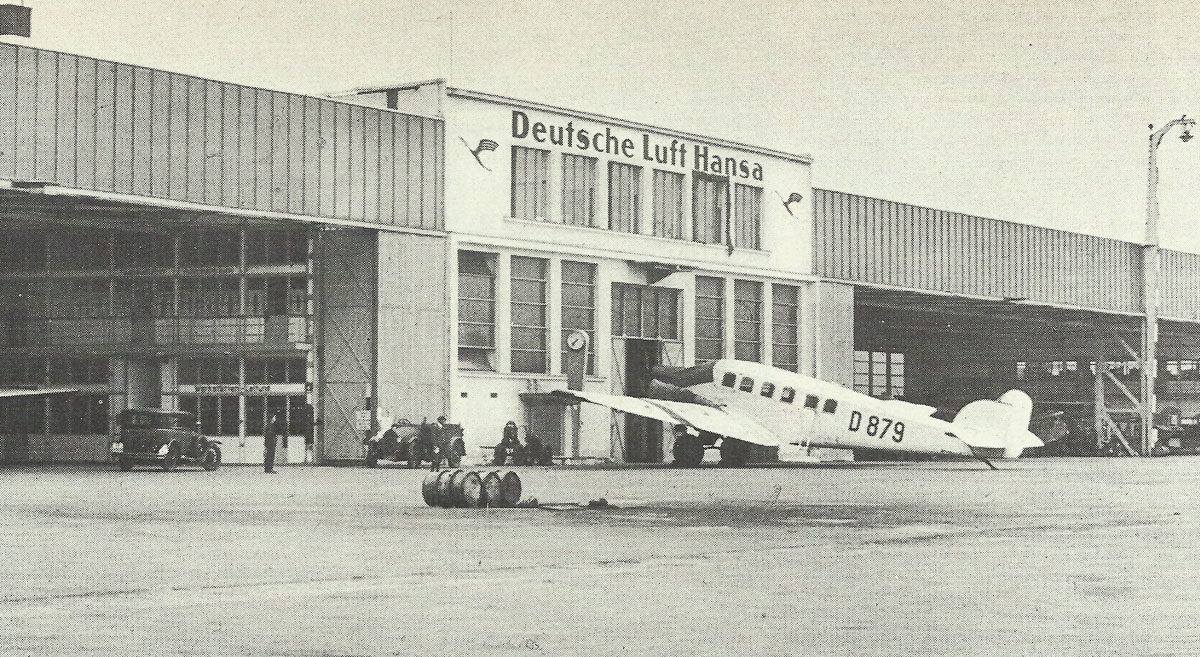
<point>729,380</point>
<point>811,401</point>
<point>830,406</point>
<point>768,389</point>
<point>747,384</point>
<point>787,395</point>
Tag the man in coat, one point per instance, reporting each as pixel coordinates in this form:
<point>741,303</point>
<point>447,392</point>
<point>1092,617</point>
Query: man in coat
<point>274,429</point>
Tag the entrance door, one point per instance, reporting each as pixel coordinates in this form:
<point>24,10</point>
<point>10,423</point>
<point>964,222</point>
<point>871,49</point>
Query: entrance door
<point>545,420</point>
<point>643,436</point>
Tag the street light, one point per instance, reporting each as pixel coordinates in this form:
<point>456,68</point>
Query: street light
<point>1150,281</point>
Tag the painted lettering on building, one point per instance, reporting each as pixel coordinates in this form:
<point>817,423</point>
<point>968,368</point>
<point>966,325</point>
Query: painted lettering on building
<point>647,148</point>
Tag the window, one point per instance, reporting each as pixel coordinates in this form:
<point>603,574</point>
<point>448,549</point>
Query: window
<point>710,318</point>
<point>21,251</point>
<point>729,380</point>
<point>830,406</point>
<point>747,216</point>
<point>79,370</point>
<point>710,208</point>
<point>529,314</point>
<point>747,384</point>
<point>276,247</point>
<point>200,371</point>
<point>668,204</point>
<point>210,297</point>
<point>530,168</point>
<point>276,370</point>
<point>785,302</point>
<point>579,190</point>
<point>210,248</point>
<point>768,390</point>
<point>579,306</point>
<point>645,311</point>
<point>144,250</point>
<point>82,297</point>
<point>476,310</point>
<point>787,395</point>
<point>811,401</point>
<point>22,370</point>
<point>218,415</point>
<point>747,308</point>
<point>879,373</point>
<point>85,250</point>
<point>624,197</point>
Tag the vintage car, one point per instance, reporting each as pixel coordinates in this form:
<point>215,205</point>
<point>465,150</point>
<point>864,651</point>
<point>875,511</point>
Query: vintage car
<point>164,438</point>
<point>411,443</point>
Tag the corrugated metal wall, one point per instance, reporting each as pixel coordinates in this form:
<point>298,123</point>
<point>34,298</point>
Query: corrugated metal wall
<point>858,238</point>
<point>1180,284</point>
<point>104,126</point>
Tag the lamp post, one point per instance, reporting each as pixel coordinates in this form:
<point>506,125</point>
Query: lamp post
<point>1150,289</point>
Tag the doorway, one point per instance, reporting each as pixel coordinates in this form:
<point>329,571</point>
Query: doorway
<point>643,436</point>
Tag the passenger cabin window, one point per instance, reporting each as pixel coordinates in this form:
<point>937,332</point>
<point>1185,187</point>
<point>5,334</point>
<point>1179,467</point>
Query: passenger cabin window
<point>787,395</point>
<point>768,390</point>
<point>830,406</point>
<point>811,401</point>
<point>747,385</point>
<point>729,380</point>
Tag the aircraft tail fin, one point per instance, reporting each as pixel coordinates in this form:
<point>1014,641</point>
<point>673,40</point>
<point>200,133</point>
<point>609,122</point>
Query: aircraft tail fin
<point>997,428</point>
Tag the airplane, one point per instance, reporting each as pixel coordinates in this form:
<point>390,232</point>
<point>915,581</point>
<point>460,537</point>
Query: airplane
<point>743,403</point>
<point>8,393</point>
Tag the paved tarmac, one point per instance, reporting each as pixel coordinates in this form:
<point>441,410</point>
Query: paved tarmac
<point>1044,557</point>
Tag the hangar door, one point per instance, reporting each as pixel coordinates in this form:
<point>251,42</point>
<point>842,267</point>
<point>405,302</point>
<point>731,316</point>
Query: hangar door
<point>346,281</point>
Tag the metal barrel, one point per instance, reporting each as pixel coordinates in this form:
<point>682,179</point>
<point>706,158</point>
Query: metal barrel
<point>468,490</point>
<point>429,488</point>
<point>503,488</point>
<point>491,488</point>
<point>445,494</point>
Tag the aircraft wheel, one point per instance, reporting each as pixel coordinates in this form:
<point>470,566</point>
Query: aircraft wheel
<point>688,452</point>
<point>734,452</point>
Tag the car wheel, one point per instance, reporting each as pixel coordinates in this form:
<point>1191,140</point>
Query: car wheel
<point>211,459</point>
<point>125,464</point>
<point>734,453</point>
<point>171,460</point>
<point>372,456</point>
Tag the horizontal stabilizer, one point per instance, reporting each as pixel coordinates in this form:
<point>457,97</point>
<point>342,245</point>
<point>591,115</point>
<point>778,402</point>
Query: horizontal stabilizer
<point>1000,426</point>
<point>721,421</point>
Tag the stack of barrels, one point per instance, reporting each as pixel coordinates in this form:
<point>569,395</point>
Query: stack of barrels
<point>470,489</point>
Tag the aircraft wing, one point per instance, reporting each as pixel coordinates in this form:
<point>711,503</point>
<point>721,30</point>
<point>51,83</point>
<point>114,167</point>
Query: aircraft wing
<point>31,392</point>
<point>721,421</point>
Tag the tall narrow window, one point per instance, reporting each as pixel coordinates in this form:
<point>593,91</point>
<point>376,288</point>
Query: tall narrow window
<point>747,217</point>
<point>785,316</point>
<point>710,208</point>
<point>476,310</point>
<point>668,204</point>
<point>530,169</point>
<point>579,306</point>
<point>645,311</point>
<point>879,373</point>
<point>579,190</point>
<point>529,314</point>
<point>748,309</point>
<point>710,318</point>
<point>624,197</point>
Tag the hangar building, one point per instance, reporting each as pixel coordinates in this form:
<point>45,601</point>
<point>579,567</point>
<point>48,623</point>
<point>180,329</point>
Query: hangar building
<point>417,250</point>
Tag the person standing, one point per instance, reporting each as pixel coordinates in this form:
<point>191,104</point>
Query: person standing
<point>275,428</point>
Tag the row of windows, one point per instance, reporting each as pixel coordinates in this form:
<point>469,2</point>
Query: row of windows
<point>787,394</point>
<point>39,370</point>
<point>221,415</point>
<point>748,307</point>
<point>1183,370</point>
<point>216,296</point>
<point>717,217</point>
<point>193,371</point>
<point>33,251</point>
<point>66,415</point>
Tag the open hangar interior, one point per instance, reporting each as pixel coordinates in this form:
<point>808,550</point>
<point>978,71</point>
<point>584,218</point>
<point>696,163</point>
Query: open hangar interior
<point>950,308</point>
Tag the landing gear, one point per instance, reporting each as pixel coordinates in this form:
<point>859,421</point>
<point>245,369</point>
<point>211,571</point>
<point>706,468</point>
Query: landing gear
<point>687,451</point>
<point>734,453</point>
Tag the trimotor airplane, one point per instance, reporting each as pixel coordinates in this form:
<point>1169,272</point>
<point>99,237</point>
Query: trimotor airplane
<point>743,403</point>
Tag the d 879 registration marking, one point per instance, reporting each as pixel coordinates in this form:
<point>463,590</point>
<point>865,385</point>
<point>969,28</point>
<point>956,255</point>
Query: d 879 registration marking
<point>876,426</point>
